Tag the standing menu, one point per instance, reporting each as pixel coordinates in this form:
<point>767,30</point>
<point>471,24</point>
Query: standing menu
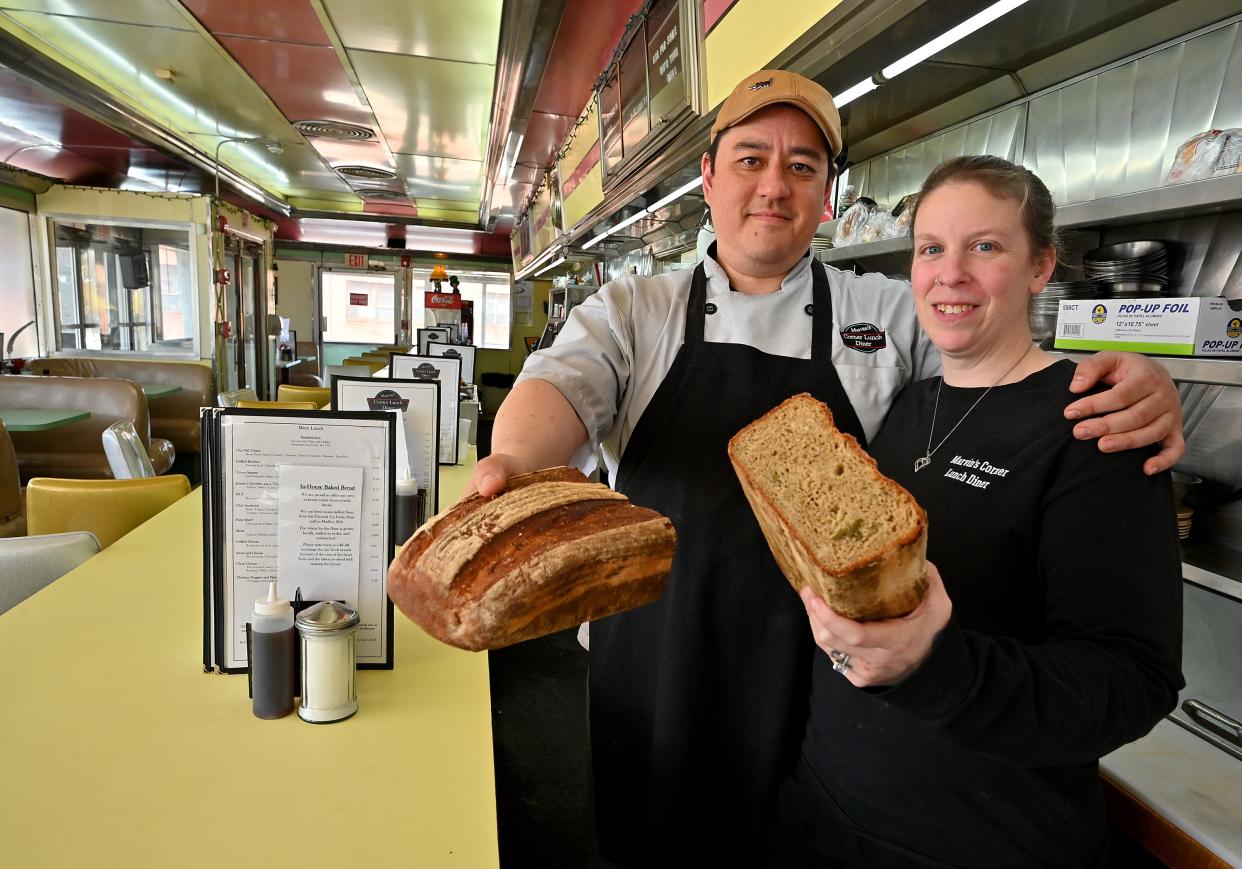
<point>447,371</point>
<point>304,498</point>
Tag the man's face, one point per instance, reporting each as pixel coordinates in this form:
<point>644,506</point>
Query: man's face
<point>768,190</point>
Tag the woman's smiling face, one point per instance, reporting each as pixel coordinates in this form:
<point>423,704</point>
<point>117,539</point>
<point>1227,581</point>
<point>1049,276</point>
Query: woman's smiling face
<point>974,271</point>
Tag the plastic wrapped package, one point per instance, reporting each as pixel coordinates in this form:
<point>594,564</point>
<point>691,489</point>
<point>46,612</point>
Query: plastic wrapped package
<point>880,225</point>
<point>903,212</point>
<point>1209,154</point>
<point>850,229</point>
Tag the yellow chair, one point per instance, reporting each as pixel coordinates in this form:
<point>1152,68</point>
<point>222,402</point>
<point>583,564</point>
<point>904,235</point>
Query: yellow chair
<point>109,509</point>
<point>320,395</point>
<point>377,355</point>
<point>278,405</point>
<point>373,365</point>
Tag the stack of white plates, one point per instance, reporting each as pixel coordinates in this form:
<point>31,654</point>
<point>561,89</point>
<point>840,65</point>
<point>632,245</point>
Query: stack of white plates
<point>1132,269</point>
<point>1046,305</point>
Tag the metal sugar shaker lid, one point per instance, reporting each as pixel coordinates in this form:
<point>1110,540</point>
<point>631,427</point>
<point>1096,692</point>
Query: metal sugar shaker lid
<point>327,617</point>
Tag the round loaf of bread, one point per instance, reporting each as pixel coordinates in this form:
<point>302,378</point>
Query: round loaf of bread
<point>550,552</point>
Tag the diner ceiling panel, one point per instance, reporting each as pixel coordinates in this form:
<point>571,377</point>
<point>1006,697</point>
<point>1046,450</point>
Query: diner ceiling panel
<point>205,96</point>
<point>304,81</point>
<point>298,166</point>
<point>436,108</point>
<point>441,178</point>
<point>149,13</point>
<point>466,30</point>
<point>421,75</point>
<point>285,20</point>
<point>338,153</point>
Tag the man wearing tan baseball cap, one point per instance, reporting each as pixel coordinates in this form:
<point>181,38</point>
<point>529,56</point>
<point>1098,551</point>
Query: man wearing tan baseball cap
<point>776,86</point>
<point>697,701</point>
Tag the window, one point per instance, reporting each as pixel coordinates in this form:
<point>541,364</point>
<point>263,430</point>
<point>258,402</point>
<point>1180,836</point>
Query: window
<point>17,293</point>
<point>490,293</point>
<point>126,289</point>
<point>358,307</point>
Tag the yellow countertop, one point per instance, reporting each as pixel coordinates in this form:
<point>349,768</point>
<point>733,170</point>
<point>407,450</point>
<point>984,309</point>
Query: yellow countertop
<point>116,750</point>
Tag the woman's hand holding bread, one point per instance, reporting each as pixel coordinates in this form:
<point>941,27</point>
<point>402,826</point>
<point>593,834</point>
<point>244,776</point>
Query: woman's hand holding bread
<point>886,651</point>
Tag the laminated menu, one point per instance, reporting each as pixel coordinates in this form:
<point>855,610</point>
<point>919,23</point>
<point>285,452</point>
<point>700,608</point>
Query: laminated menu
<point>304,498</point>
<point>446,370</point>
<point>417,402</point>
<point>464,352</point>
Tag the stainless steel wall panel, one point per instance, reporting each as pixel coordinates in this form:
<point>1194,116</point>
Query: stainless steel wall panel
<point>891,176</point>
<point>1079,112</point>
<point>1045,145</point>
<point>1115,98</point>
<point>1118,132</point>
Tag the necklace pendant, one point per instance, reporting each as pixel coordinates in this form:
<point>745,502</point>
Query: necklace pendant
<point>922,462</point>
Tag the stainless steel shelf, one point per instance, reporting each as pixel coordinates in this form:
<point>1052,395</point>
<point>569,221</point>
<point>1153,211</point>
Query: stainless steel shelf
<point>1213,567</point>
<point>1225,372</point>
<point>883,247</point>
<point>1211,196</point>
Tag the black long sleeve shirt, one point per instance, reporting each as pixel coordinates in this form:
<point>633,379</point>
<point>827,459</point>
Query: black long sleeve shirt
<point>1064,644</point>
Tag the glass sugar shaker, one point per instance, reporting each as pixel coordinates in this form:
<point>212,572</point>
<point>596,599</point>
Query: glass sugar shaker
<point>329,662</point>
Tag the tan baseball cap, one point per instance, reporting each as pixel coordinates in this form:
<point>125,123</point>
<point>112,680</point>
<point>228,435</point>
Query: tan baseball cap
<point>770,86</point>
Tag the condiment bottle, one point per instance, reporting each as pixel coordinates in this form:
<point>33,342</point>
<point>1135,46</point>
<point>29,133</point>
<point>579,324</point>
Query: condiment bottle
<point>273,645</point>
<point>329,661</point>
<point>409,510</point>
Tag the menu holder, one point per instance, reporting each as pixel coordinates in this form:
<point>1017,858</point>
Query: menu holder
<point>418,402</point>
<point>432,333</point>
<point>305,498</point>
<point>447,371</point>
<point>464,352</point>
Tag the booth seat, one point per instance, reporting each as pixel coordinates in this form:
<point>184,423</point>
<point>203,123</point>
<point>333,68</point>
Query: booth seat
<point>173,417</point>
<point>12,501</point>
<point>76,450</point>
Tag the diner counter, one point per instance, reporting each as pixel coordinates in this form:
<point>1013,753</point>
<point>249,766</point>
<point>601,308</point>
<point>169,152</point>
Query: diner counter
<point>1188,782</point>
<point>119,751</point>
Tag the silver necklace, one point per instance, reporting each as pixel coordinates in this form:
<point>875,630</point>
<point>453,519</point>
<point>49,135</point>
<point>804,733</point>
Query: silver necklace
<point>924,460</point>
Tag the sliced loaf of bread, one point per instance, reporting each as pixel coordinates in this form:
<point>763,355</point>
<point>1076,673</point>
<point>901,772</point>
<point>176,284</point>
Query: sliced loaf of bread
<point>833,521</point>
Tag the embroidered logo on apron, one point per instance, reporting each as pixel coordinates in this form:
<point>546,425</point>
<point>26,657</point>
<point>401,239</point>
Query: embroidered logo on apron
<point>864,337</point>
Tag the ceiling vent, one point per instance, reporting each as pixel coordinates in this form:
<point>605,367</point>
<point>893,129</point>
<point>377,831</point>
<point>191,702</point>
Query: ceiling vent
<point>366,173</point>
<point>385,195</point>
<point>334,130</point>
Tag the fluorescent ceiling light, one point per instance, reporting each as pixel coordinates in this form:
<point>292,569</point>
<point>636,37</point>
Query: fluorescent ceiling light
<point>509,158</point>
<point>675,195</point>
<point>590,244</point>
<point>550,266</point>
<point>940,43</point>
<point>632,219</point>
<point>850,94</point>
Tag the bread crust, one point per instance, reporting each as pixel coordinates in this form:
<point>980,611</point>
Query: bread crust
<point>550,552</point>
<point>887,584</point>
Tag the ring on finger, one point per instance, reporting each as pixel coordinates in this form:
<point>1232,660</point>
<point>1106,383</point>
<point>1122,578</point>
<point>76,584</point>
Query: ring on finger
<point>840,660</point>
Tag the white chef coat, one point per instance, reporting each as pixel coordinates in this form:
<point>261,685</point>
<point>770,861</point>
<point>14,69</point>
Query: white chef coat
<point>616,347</point>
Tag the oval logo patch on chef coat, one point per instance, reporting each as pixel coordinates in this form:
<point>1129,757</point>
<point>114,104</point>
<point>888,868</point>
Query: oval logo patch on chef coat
<point>864,337</point>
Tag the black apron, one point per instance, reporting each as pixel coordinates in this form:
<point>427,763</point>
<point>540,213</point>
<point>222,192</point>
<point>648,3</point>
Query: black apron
<point>698,701</point>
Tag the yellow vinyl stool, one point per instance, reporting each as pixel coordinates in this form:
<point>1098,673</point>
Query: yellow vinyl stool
<point>373,365</point>
<point>278,405</point>
<point>109,509</point>
<point>320,395</point>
